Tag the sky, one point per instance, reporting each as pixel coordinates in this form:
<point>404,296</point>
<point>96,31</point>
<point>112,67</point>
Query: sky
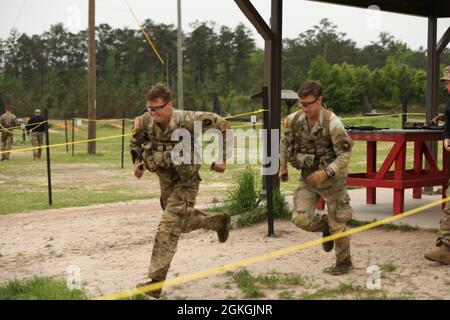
<point>361,25</point>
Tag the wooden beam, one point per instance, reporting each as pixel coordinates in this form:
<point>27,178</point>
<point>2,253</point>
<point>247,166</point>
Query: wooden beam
<point>255,18</point>
<point>443,42</point>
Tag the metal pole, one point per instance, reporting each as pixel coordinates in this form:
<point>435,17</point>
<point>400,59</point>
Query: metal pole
<point>123,135</point>
<point>67,136</point>
<point>276,21</point>
<point>73,134</point>
<point>404,110</point>
<point>180,58</point>
<point>92,108</point>
<point>432,86</point>
<point>49,174</point>
<point>267,153</point>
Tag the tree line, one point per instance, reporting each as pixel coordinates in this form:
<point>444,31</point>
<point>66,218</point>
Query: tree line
<point>222,69</point>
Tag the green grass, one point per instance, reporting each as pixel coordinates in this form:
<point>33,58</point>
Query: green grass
<point>39,288</point>
<point>245,193</point>
<point>388,267</point>
<point>287,285</point>
<point>342,291</point>
<point>253,287</point>
<point>244,199</point>
<point>247,283</point>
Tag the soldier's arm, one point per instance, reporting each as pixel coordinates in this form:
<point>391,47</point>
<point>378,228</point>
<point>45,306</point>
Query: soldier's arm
<point>211,120</point>
<point>342,145</point>
<point>137,138</point>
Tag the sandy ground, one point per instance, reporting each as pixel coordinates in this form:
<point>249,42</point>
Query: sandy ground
<point>111,244</point>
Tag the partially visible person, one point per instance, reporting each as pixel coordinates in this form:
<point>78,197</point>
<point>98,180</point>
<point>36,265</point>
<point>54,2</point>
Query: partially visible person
<point>442,253</point>
<point>36,127</point>
<point>7,122</point>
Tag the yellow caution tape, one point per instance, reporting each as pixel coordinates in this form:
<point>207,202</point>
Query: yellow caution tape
<point>246,114</point>
<point>64,144</point>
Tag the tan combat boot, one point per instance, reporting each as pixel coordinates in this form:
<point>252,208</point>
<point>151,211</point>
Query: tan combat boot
<point>442,254</point>
<point>340,267</point>
<point>155,294</point>
<point>223,232</point>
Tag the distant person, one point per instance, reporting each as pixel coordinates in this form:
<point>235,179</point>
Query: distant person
<point>442,254</point>
<point>7,121</point>
<point>316,142</point>
<point>36,127</point>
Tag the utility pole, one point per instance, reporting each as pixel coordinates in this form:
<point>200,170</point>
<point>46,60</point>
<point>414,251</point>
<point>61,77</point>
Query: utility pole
<point>180,59</point>
<point>92,108</point>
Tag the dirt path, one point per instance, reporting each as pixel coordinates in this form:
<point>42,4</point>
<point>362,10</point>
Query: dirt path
<point>112,243</point>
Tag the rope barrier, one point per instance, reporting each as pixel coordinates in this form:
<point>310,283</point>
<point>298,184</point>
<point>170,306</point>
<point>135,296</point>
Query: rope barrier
<point>145,34</point>
<point>246,114</point>
<point>64,144</point>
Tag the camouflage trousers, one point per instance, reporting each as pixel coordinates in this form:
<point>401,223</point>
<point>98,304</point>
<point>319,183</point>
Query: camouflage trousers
<point>307,218</point>
<point>7,140</point>
<point>177,201</point>
<point>37,139</point>
<point>444,230</point>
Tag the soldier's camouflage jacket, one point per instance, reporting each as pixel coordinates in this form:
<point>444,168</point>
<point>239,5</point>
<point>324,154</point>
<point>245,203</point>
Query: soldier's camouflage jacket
<point>7,120</point>
<point>326,144</point>
<point>154,147</point>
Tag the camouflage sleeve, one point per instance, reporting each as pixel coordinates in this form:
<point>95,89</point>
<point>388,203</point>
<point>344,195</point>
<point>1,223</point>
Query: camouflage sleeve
<point>15,122</point>
<point>287,139</point>
<point>342,145</point>
<point>211,120</point>
<point>137,139</point>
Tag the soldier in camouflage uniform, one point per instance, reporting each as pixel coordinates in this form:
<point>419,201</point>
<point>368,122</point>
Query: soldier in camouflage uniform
<point>315,142</point>
<point>442,254</point>
<point>7,121</point>
<point>151,148</point>
<point>36,125</point>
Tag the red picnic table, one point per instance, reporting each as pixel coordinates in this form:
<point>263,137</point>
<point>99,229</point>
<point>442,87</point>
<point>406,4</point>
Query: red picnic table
<point>401,178</point>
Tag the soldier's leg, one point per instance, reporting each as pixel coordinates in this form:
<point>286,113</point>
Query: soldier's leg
<point>218,221</point>
<point>34,143</point>
<point>3,138</point>
<point>41,142</point>
<point>9,142</point>
<point>178,207</point>
<point>305,215</point>
<point>339,213</point>
<point>444,230</point>
<point>165,245</point>
<point>442,254</point>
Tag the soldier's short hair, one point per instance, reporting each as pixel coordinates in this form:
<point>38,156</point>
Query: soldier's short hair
<point>310,87</point>
<point>159,91</point>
